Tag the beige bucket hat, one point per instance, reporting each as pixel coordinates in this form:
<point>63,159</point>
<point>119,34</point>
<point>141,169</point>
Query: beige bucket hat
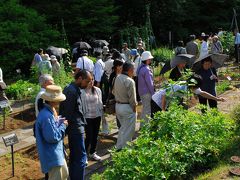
<point>53,93</point>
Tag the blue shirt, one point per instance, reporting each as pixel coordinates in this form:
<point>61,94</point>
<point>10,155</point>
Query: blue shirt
<point>237,38</point>
<point>37,58</point>
<point>49,138</point>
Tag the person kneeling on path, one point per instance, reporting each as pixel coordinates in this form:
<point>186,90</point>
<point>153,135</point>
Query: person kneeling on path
<point>126,103</point>
<point>162,98</point>
<point>50,131</point>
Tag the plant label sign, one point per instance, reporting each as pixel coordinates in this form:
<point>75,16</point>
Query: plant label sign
<point>10,140</point>
<point>4,104</point>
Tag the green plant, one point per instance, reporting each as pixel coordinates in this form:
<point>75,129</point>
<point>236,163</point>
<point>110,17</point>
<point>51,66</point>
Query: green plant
<point>227,41</point>
<point>223,86</point>
<point>22,90</point>
<point>162,54</point>
<point>235,114</point>
<point>173,145</point>
<point>63,78</point>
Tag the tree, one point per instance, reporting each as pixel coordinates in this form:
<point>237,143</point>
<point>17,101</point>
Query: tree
<point>83,19</point>
<point>22,32</point>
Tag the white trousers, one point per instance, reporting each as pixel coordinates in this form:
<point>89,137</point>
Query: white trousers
<point>127,119</point>
<point>146,108</point>
<point>59,172</point>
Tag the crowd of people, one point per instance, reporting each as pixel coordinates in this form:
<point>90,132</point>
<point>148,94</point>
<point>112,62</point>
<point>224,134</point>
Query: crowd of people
<point>125,77</point>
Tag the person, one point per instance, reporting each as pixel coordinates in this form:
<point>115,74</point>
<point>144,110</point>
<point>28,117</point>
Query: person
<point>216,46</point>
<point>220,32</point>
<point>117,69</point>
<point>180,49</point>
<point>192,46</point>
<point>44,81</point>
<point>204,46</point>
<point>50,132</point>
<point>143,45</point>
<point>162,98</point>
<point>55,65</point>
<point>73,109</point>
<point>137,62</point>
<point>98,70</point>
<point>93,114</point>
<point>209,79</point>
<point>45,66</point>
<point>37,57</point>
<point>105,51</point>
<point>126,103</point>
<point>236,45</point>
<point>140,48</point>
<point>145,85</point>
<point>84,63</point>
<point>126,51</point>
<point>3,96</point>
<point>177,71</point>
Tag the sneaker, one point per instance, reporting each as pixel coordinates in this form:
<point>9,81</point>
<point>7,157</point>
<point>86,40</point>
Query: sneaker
<point>95,157</point>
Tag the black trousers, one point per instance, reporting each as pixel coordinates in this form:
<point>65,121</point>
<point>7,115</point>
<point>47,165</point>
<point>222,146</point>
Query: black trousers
<point>154,108</point>
<point>210,102</point>
<point>92,130</point>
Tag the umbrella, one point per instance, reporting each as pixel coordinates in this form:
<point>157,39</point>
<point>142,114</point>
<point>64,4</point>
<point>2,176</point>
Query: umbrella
<point>165,68</point>
<point>217,60</point>
<point>101,42</point>
<point>182,58</point>
<point>82,45</point>
<point>51,50</point>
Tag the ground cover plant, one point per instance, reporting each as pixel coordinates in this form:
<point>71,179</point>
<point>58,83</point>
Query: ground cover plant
<point>174,145</point>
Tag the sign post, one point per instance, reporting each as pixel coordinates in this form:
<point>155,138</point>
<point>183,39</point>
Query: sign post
<point>10,140</point>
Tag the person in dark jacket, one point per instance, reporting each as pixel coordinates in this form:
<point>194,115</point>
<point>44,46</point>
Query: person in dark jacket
<point>73,109</point>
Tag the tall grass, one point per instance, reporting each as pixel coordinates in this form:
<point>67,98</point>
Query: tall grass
<point>162,54</point>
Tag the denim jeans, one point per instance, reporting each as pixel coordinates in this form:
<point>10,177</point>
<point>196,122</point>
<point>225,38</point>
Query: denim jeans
<point>78,157</point>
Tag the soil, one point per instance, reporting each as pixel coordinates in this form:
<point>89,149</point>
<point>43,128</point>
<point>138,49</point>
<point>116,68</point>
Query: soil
<point>19,120</point>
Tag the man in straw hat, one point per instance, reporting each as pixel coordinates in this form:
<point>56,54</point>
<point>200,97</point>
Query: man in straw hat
<point>73,110</point>
<point>50,130</point>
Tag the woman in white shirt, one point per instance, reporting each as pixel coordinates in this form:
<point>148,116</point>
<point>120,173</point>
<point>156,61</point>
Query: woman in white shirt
<point>204,46</point>
<point>160,102</point>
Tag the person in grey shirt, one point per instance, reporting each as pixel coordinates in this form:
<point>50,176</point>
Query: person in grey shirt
<point>192,46</point>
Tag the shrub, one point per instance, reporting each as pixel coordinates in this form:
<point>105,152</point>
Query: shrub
<point>22,90</point>
<point>162,54</point>
<point>227,41</point>
<point>223,86</point>
<point>172,146</point>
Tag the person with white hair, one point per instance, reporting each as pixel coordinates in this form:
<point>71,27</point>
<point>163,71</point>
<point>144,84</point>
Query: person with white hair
<point>44,81</point>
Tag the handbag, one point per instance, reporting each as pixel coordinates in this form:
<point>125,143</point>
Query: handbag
<point>110,104</point>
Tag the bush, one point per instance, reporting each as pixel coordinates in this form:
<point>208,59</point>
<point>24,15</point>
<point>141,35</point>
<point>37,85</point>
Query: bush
<point>227,41</point>
<point>172,146</point>
<point>223,86</point>
<point>22,90</point>
<point>162,54</point>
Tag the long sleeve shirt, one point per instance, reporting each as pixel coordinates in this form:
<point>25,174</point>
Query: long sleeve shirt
<point>145,80</point>
<point>73,109</point>
<point>49,138</point>
<point>124,90</point>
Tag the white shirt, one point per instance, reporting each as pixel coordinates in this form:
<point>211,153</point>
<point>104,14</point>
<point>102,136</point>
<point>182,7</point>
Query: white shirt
<point>204,49</point>
<point>98,70</point>
<point>85,63</point>
<point>108,67</point>
<point>157,97</point>
<point>42,90</point>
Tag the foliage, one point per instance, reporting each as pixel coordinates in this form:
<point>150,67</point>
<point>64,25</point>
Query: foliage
<point>227,41</point>
<point>173,145</point>
<point>162,54</point>
<point>22,90</point>
<point>22,32</point>
<point>63,78</point>
<point>223,86</point>
<point>235,114</point>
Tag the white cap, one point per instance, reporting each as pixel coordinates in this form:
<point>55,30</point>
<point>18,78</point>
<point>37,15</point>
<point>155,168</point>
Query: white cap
<point>146,55</point>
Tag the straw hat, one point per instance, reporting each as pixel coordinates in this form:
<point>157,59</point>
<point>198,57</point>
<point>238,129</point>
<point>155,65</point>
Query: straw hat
<point>53,93</point>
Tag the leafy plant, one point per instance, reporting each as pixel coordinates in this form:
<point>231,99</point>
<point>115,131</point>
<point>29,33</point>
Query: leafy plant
<point>227,41</point>
<point>172,146</point>
<point>22,90</point>
<point>223,86</point>
<point>162,54</point>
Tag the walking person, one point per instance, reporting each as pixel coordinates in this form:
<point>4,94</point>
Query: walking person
<point>84,63</point>
<point>50,131</point>
<point>93,114</point>
<point>236,44</point>
<point>145,85</point>
<point>216,46</point>
<point>126,103</point>
<point>73,109</point>
<point>192,46</point>
<point>55,65</point>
